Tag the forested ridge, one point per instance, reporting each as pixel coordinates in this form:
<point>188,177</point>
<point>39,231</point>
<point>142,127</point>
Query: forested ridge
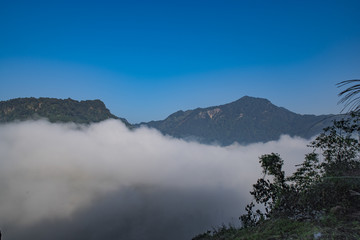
<point>247,120</point>
<point>55,110</point>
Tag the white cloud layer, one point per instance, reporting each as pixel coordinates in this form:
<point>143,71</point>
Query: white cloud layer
<point>52,171</point>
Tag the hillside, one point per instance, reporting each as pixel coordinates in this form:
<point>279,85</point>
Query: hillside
<point>245,121</point>
<point>329,227</point>
<point>55,110</point>
<point>320,200</point>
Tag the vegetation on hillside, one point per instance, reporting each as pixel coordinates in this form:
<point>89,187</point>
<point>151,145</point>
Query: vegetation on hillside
<point>320,200</point>
<point>55,110</point>
<point>327,227</point>
<point>245,121</point>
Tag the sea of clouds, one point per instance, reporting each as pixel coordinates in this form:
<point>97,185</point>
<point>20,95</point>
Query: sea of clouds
<point>104,181</point>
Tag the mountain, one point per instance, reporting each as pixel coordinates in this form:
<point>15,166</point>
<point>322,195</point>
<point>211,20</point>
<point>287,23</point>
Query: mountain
<point>245,121</point>
<point>55,110</point>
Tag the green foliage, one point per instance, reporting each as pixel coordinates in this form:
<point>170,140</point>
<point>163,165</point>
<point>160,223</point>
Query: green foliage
<point>55,110</point>
<point>349,95</point>
<point>320,200</point>
<point>273,195</point>
<point>280,228</point>
<point>318,185</point>
<point>328,227</point>
<point>222,233</point>
<point>340,146</point>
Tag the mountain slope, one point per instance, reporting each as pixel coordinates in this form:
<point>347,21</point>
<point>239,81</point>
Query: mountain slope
<point>56,110</point>
<point>245,121</point>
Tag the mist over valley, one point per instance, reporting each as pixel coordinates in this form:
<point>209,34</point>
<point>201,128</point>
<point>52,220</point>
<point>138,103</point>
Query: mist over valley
<point>105,180</point>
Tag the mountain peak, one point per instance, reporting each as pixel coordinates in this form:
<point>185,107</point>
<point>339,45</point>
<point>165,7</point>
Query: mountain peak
<point>246,99</point>
<point>246,120</point>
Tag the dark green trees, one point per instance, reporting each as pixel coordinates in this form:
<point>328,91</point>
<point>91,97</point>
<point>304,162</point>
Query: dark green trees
<point>329,177</point>
<point>55,110</point>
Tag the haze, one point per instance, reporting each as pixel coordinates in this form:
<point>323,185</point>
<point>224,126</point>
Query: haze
<point>67,181</point>
<point>146,60</point>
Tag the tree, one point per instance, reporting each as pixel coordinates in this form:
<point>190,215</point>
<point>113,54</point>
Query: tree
<point>270,194</point>
<point>321,182</point>
<point>349,95</point>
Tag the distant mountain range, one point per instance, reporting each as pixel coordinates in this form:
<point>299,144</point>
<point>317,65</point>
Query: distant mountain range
<point>245,121</point>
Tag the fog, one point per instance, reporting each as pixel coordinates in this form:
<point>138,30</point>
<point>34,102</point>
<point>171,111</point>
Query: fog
<point>103,181</point>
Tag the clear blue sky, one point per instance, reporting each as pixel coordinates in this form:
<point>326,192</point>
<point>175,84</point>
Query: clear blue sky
<point>148,59</point>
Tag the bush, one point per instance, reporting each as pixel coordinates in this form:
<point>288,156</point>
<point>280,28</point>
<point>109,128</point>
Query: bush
<point>320,183</point>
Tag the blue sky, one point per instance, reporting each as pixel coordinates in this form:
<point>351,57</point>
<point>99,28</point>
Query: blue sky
<point>148,59</point>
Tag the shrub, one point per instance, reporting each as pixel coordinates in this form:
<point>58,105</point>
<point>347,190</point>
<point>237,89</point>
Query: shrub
<point>321,182</point>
